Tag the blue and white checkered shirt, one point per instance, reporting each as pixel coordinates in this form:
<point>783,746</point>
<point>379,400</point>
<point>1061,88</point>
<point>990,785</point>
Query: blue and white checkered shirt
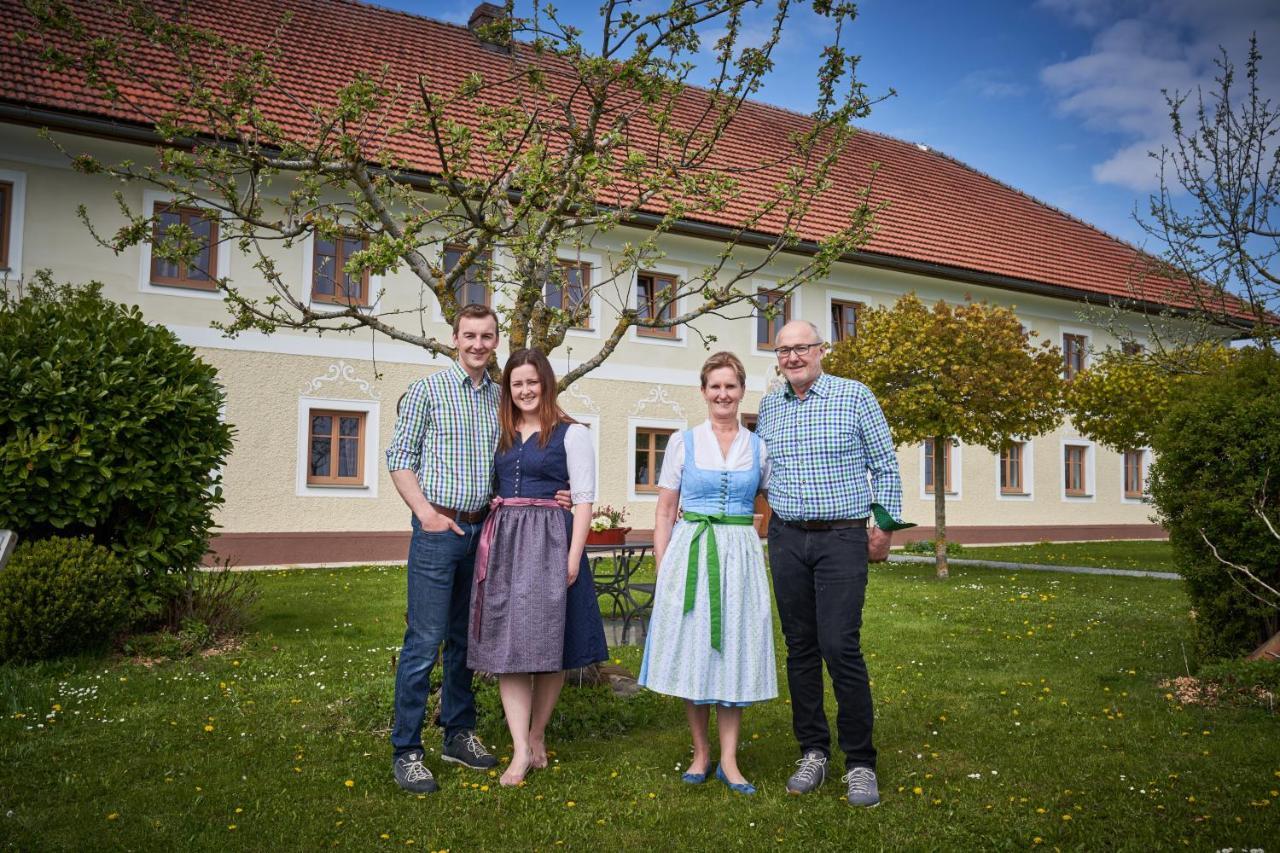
<point>446,433</point>
<point>832,452</point>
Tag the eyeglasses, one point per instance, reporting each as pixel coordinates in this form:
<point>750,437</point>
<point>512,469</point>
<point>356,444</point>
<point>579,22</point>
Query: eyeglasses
<point>799,349</point>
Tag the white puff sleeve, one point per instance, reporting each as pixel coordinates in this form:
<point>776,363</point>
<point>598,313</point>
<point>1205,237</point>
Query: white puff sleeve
<point>580,456</point>
<point>672,463</point>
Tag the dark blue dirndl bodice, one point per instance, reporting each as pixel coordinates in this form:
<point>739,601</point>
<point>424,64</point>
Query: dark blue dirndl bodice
<point>528,470</point>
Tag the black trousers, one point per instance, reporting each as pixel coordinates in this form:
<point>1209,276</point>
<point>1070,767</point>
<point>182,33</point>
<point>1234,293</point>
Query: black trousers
<point>820,582</point>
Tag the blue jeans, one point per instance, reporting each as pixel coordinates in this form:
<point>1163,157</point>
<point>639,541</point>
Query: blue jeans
<point>440,569</point>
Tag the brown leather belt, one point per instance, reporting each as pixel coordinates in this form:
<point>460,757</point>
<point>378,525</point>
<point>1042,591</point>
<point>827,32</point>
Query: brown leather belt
<point>458,515</point>
<point>833,524</point>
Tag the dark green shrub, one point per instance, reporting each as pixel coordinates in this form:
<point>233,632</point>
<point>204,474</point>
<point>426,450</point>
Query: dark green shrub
<point>1217,456</point>
<point>109,428</point>
<point>61,596</point>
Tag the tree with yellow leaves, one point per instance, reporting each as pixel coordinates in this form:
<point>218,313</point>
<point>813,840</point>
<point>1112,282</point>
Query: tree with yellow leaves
<point>947,373</point>
<point>1118,399</point>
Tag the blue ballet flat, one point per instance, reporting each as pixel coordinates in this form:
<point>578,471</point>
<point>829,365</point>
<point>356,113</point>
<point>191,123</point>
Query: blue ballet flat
<point>737,787</point>
<point>693,778</point>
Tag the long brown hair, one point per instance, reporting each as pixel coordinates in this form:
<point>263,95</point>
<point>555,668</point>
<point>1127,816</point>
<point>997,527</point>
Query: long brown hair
<point>549,411</point>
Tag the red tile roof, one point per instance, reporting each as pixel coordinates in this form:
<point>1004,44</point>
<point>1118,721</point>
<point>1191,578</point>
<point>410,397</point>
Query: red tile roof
<point>940,211</point>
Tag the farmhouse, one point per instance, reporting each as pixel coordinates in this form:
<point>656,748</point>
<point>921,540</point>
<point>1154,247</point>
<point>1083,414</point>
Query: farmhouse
<point>307,483</point>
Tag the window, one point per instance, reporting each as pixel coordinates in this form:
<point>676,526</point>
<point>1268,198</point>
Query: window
<point>1132,348</point>
<point>473,286</point>
<point>928,466</point>
<point>6,218</point>
<point>329,281</point>
<point>335,442</point>
<point>1073,350</point>
<point>767,327</point>
<point>651,447</point>
<point>1074,458</point>
<point>655,300</point>
<point>201,271</point>
<point>568,292</point>
<point>1011,469</point>
<point>1135,474</point>
<point>844,319</point>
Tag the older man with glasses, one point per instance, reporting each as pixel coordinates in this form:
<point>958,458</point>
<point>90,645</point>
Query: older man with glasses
<point>836,496</point>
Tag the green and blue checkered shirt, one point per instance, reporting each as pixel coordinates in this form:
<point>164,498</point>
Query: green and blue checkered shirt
<point>446,433</point>
<point>831,453</point>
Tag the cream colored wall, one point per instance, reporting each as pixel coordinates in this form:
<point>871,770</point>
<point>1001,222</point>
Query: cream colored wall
<point>266,375</point>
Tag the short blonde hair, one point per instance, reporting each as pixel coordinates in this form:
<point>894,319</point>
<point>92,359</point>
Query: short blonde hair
<point>724,359</point>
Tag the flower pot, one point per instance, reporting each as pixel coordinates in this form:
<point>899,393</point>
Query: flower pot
<point>612,536</point>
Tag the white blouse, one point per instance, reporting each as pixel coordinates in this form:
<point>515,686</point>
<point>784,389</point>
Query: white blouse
<point>580,457</point>
<point>707,455</point>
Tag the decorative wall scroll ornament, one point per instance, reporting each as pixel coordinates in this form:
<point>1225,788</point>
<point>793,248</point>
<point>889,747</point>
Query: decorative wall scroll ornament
<point>587,402</point>
<point>658,396</point>
<point>340,371</point>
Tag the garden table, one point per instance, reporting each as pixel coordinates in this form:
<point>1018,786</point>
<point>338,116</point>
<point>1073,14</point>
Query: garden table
<point>613,568</point>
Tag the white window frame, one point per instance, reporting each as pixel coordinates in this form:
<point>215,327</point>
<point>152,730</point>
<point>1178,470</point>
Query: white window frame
<point>1028,473</point>
<point>596,262</point>
<point>371,409</point>
<point>1090,471</point>
<point>499,257</point>
<point>837,295</point>
<point>1146,473</point>
<point>634,424</point>
<point>759,284</point>
<point>681,340</point>
<point>956,492</point>
<point>17,211</point>
<point>1088,343</point>
<point>308,269</point>
<point>150,198</point>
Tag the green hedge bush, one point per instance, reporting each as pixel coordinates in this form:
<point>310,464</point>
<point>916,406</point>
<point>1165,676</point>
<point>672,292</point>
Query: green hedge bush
<point>1217,453</point>
<point>109,428</point>
<point>61,596</point>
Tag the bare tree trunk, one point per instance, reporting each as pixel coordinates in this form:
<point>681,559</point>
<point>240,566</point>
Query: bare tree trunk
<point>940,507</point>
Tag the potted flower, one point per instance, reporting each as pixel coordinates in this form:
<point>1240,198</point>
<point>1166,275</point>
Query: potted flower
<point>606,526</point>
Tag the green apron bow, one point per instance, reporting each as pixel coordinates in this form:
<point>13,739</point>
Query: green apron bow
<point>704,522</point>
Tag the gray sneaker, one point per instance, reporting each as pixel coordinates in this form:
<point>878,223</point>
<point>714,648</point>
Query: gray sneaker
<point>811,775</point>
<point>863,789</point>
<point>466,749</point>
<point>412,775</point>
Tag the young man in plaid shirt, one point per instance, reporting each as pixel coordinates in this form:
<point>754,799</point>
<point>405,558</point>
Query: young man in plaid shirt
<point>441,461</point>
<point>836,496</point>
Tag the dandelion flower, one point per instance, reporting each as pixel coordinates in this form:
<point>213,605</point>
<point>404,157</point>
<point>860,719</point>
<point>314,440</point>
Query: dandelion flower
<point>350,783</point>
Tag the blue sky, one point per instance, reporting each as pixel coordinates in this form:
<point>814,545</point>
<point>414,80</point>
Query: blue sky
<point>1058,98</point>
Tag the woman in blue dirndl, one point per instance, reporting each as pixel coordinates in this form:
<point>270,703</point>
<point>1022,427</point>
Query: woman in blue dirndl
<point>534,611</point>
<point>710,639</point>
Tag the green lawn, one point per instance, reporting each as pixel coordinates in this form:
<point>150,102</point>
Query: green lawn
<point>1014,710</point>
<point>1154,554</point>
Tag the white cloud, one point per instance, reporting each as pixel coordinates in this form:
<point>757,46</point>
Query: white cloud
<point>1142,48</point>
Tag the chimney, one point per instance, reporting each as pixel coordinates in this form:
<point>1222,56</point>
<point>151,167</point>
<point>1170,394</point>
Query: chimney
<point>487,23</point>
